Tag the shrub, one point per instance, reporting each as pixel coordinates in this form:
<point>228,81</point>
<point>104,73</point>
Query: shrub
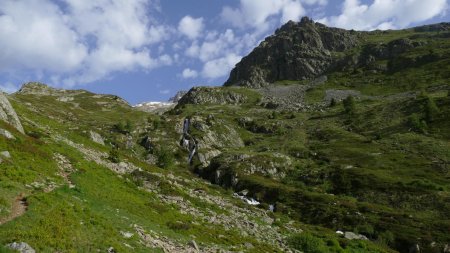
<point>119,127</point>
<point>341,181</point>
<point>165,158</point>
<point>114,155</point>
<point>308,243</point>
<point>129,126</point>
<point>35,134</point>
<point>349,105</point>
<point>178,225</point>
<point>386,238</point>
<point>123,127</point>
<point>156,124</point>
<point>365,229</point>
<point>416,124</point>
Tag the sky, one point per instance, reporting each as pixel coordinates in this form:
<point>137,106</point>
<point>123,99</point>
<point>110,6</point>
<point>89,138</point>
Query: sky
<point>147,50</point>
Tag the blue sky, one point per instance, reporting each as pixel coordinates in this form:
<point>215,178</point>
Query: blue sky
<point>147,50</point>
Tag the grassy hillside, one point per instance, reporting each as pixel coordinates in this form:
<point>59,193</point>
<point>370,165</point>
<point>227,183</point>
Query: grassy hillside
<point>376,164</point>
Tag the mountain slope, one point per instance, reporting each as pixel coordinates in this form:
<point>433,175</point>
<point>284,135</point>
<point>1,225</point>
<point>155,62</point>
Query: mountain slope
<point>358,144</point>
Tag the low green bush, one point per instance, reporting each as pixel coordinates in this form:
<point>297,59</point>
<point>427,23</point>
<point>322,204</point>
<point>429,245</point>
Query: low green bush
<point>306,242</point>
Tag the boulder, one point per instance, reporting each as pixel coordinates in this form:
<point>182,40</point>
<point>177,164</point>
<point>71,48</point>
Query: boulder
<point>21,247</point>
<point>353,236</point>
<point>95,137</point>
<point>6,134</point>
<point>8,114</point>
<point>5,154</point>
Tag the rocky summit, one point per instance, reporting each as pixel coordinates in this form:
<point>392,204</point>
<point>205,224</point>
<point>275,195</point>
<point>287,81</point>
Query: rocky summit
<point>296,51</point>
<point>321,140</point>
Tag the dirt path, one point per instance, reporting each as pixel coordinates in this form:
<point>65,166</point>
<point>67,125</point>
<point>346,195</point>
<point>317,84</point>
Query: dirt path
<point>19,207</point>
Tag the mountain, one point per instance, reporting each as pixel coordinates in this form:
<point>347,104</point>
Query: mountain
<point>322,140</point>
<point>306,49</point>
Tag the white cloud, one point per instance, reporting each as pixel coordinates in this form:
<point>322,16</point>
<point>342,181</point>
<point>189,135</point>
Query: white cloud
<point>256,13</point>
<point>292,10</point>
<point>220,67</point>
<point>191,27</point>
<point>313,2</point>
<point>189,73</point>
<point>385,14</point>
<point>215,45</point>
<point>36,35</point>
<point>83,42</point>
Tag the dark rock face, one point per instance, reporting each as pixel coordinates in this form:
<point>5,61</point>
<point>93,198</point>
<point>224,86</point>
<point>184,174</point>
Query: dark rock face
<point>296,51</point>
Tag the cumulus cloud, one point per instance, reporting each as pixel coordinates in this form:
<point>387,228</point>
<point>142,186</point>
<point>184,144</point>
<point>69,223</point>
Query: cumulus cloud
<point>78,41</point>
<point>191,27</point>
<point>189,73</point>
<point>214,45</point>
<point>256,13</point>
<point>220,67</point>
<point>385,14</point>
<point>36,35</point>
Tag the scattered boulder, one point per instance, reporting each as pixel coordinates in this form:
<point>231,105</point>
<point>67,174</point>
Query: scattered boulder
<point>5,154</point>
<point>8,114</point>
<point>248,245</point>
<point>353,236</point>
<point>22,247</point>
<point>6,134</point>
<point>126,234</point>
<point>95,137</point>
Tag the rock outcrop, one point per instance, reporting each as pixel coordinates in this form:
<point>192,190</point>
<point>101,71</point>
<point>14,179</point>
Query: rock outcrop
<point>21,247</point>
<point>96,137</point>
<point>62,95</point>
<point>296,51</point>
<point>212,95</point>
<point>8,114</point>
<point>211,136</point>
<point>177,96</point>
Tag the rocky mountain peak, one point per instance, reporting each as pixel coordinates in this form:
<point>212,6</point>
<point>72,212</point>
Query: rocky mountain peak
<point>297,51</point>
<point>35,88</point>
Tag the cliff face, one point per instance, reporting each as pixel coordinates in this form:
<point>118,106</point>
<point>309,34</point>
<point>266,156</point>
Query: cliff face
<point>296,51</point>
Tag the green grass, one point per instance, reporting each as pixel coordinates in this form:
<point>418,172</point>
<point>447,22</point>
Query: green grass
<point>366,171</point>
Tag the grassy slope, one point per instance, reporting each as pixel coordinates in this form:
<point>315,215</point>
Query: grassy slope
<point>91,215</point>
<point>383,176</point>
<point>367,173</point>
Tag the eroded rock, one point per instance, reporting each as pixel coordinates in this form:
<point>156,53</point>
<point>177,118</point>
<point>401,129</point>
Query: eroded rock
<point>96,137</point>
<point>8,114</point>
<point>22,247</point>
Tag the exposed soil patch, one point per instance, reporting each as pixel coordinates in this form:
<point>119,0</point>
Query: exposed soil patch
<point>19,207</point>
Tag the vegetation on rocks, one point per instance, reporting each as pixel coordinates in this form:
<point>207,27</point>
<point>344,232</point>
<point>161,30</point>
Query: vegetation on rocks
<point>277,167</point>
